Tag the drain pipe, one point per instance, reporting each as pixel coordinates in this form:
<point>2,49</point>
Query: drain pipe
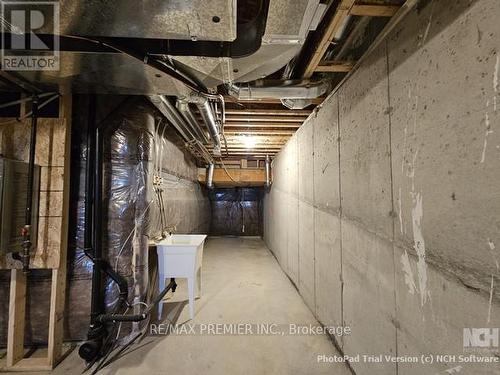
<point>288,89</point>
<point>210,176</point>
<point>268,172</point>
<point>183,108</point>
<point>208,115</point>
<point>91,349</point>
<point>26,230</point>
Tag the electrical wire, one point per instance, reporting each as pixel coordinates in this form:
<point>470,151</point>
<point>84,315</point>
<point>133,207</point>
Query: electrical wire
<point>227,172</point>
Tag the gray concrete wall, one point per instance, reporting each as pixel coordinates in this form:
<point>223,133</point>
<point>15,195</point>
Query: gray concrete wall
<point>385,207</point>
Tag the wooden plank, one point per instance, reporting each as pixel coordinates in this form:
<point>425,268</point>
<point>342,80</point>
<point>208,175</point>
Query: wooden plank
<point>335,67</point>
<point>333,27</point>
<point>234,118</point>
<point>244,163</point>
<point>38,364</point>
<point>232,99</point>
<point>259,147</point>
<point>253,177</point>
<point>268,112</point>
<point>17,315</point>
<point>58,287</point>
<point>257,132</point>
<point>374,10</point>
<point>261,125</point>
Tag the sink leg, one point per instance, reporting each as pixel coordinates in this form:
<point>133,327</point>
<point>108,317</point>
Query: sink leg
<point>161,286</point>
<point>198,279</point>
<point>191,296</point>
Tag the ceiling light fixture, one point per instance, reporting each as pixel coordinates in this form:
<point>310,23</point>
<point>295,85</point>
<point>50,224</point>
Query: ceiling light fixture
<point>248,141</point>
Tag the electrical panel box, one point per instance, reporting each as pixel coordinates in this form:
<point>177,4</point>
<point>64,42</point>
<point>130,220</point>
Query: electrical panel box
<point>13,194</point>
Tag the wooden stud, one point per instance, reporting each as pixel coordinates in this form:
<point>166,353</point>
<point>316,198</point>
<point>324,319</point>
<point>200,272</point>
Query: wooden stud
<point>335,66</point>
<point>268,112</point>
<point>333,27</point>
<point>261,125</point>
<point>232,99</point>
<point>374,10</point>
<point>17,316</point>
<point>233,118</point>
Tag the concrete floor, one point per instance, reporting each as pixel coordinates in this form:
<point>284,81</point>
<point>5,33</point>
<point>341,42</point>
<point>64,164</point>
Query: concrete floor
<point>242,283</point>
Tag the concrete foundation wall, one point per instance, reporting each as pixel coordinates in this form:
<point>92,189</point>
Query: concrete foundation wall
<point>385,206</point>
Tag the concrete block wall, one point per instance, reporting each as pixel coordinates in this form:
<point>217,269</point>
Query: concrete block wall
<point>385,206</point>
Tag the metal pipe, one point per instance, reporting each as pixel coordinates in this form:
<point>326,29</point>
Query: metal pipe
<point>19,101</point>
<point>288,90</point>
<point>97,300</point>
<point>210,176</point>
<point>138,317</point>
<point>89,183</point>
<point>183,108</point>
<point>268,171</point>
<point>172,115</point>
<point>26,231</point>
<point>40,106</point>
<point>208,116</point>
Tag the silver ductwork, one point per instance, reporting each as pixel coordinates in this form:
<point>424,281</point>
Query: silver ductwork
<point>288,89</point>
<point>187,114</point>
<point>172,115</point>
<point>210,176</point>
<point>268,171</point>
<point>208,115</point>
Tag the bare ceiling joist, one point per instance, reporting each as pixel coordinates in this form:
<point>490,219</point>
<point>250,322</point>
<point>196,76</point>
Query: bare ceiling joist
<point>267,112</point>
<point>234,118</point>
<point>374,10</point>
<point>335,67</point>
<point>257,132</point>
<point>231,99</point>
<point>290,125</point>
<point>336,22</point>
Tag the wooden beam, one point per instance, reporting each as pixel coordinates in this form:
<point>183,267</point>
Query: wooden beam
<point>258,132</point>
<point>374,10</point>
<point>233,118</point>
<point>292,125</point>
<point>268,112</point>
<point>232,99</point>
<point>333,27</point>
<point>335,67</point>
<point>248,177</point>
<point>243,147</point>
<point>17,315</point>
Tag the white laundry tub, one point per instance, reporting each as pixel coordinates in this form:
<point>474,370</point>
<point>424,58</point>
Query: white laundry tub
<point>181,255</point>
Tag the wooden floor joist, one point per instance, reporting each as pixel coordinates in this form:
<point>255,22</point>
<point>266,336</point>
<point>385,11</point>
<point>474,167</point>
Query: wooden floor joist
<point>374,10</point>
<point>336,22</point>
<point>232,99</point>
<point>245,177</point>
<point>233,118</point>
<point>268,112</point>
<point>264,126</point>
<point>335,67</point>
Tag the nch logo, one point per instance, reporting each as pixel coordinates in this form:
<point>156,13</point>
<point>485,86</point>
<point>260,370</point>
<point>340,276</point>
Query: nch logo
<point>481,337</point>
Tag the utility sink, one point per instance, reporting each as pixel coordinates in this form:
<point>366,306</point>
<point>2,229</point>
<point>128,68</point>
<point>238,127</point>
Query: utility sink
<point>181,255</point>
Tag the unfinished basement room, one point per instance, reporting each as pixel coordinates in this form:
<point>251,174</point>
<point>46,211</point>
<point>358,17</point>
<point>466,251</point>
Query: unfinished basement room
<point>250,187</point>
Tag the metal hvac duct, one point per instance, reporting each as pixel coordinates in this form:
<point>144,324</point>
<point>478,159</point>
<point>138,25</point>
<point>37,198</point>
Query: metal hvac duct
<point>268,171</point>
<point>210,176</point>
<point>208,115</point>
<point>288,89</point>
<point>187,114</point>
